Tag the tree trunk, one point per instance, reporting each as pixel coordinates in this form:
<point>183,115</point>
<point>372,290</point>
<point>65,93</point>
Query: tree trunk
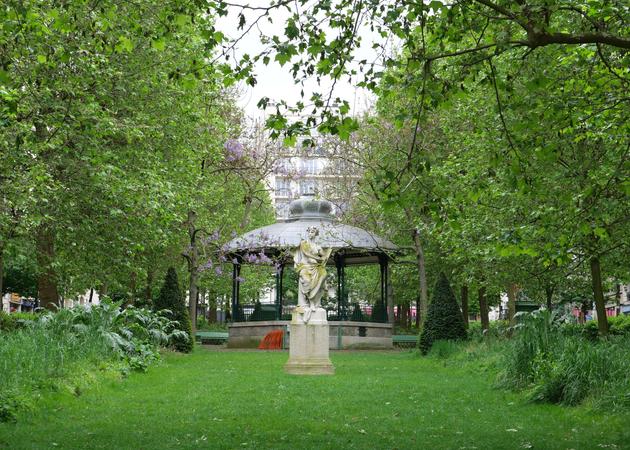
<point>598,294</point>
<point>418,312</point>
<point>247,201</point>
<point>422,279</point>
<point>511,293</point>
<point>192,300</point>
<point>212,308</point>
<point>133,281</point>
<point>549,294</point>
<point>390,296</point>
<point>465,304</point>
<point>1,275</point>
<point>103,290</point>
<point>422,275</point>
<point>46,280</point>
<point>583,312</point>
<point>148,292</point>
<point>483,308</point>
<point>193,271</point>
<point>404,310</point>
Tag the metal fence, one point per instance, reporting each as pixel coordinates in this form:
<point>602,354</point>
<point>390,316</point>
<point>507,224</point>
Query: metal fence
<point>269,311</point>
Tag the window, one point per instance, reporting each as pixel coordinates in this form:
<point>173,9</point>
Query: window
<point>309,166</point>
<point>283,166</point>
<point>283,187</point>
<point>308,187</point>
<point>282,209</point>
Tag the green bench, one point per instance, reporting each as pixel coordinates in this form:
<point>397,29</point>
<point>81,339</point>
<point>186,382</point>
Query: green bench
<point>405,340</point>
<point>211,337</point>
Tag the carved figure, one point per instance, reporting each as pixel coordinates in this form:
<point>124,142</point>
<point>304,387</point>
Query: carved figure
<point>310,264</point>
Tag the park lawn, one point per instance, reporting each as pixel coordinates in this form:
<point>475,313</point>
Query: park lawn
<point>225,399</point>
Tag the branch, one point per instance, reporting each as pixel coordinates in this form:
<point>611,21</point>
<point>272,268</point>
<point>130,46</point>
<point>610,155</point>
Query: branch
<point>504,11</point>
<point>259,8</point>
<point>461,52</point>
<point>500,106</point>
<point>542,39</point>
<point>539,39</point>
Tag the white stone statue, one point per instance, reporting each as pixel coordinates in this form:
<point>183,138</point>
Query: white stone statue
<point>310,263</point>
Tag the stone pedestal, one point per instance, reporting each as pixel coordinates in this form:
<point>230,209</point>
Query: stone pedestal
<point>308,350</point>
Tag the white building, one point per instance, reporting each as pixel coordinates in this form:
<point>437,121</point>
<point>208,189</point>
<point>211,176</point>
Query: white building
<point>314,170</point>
<point>12,302</point>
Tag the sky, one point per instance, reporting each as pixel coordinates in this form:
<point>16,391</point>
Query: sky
<point>275,81</point>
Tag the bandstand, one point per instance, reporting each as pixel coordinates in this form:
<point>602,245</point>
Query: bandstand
<point>350,246</point>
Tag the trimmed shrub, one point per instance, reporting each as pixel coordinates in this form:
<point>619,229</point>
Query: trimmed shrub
<point>444,319</point>
<point>357,314</point>
<point>172,299</point>
<point>257,313</point>
<point>379,312</point>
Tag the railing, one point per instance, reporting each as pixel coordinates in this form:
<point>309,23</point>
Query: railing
<point>355,312</point>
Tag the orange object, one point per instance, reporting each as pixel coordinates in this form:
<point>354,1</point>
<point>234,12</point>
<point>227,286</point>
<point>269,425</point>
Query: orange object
<point>272,341</point>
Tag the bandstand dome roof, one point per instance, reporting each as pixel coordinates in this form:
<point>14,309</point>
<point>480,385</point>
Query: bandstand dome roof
<point>356,244</point>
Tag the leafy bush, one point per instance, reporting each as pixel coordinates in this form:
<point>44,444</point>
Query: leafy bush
<point>444,319</point>
<point>497,329</point>
<point>55,346</point>
<point>203,324</point>
<point>566,368</point>
<point>10,322</point>
<point>617,326</point>
<point>172,300</point>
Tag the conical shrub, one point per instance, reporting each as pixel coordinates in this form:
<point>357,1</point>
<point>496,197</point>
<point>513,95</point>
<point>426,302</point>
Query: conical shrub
<point>171,298</point>
<point>444,319</point>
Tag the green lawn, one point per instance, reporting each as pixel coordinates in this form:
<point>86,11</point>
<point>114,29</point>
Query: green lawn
<point>220,399</point>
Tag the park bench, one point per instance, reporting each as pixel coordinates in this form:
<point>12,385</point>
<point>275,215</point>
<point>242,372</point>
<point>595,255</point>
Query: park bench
<point>405,340</point>
<point>211,337</point>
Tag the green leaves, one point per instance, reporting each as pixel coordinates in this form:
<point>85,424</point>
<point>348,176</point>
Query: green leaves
<point>159,44</point>
<point>124,45</point>
<point>284,53</point>
<point>108,134</point>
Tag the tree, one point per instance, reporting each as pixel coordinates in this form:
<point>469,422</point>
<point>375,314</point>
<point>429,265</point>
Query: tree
<point>322,40</point>
<point>444,318</point>
<point>547,82</point>
<point>171,298</point>
<point>107,112</point>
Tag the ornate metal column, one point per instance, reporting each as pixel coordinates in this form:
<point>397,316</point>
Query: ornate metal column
<point>342,313</point>
<point>382,261</point>
<point>279,279</point>
<point>236,272</point>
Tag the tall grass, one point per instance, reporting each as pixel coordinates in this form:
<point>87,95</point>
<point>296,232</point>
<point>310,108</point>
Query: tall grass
<point>55,346</point>
<point>557,365</point>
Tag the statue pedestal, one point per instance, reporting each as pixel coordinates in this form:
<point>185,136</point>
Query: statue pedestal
<point>308,345</point>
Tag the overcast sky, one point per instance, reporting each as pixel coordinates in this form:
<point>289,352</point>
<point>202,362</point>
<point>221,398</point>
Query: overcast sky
<point>275,81</point>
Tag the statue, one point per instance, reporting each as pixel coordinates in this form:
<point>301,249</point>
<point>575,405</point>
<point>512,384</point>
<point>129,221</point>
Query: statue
<point>310,264</point>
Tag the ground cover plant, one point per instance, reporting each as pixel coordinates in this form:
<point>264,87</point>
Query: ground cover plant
<point>66,348</point>
<point>227,399</point>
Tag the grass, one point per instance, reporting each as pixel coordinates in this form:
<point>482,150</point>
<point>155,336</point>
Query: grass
<point>223,399</point>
